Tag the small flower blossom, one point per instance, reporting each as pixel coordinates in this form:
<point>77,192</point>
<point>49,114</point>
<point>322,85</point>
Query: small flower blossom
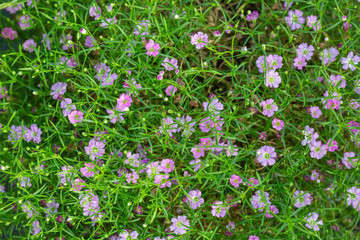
<point>278,124</point>
<point>272,209</point>
<point>36,228</point>
<point>88,170</point>
<point>318,150</point>
<point>89,42</point>
<point>349,160</point>
<point>353,198</point>
<point>167,165</point>
<point>127,235</point>
<point>152,48</point>
<point>315,112</point>
<point>266,155</point>
<point>108,21</point>
<point>123,102</point>
<point>198,152</point>
<point>309,135</point>
<point>168,126</point>
<point>274,61</point>
<point>260,200</point>
<point>132,177</point>
<point>273,79</point>
<point>302,199</point>
<point>9,33</point>
<point>180,225</point>
<point>261,64</point>
<point>199,39</point>
<point>269,107</point>
<point>295,19</point>
<point>329,55</point>
<point>253,237</point>
<point>95,149</point>
<point>58,90</point>
<point>51,208</point>
<point>217,33</point>
<point>25,22</point>
<point>163,180</point>
<point>75,116</point>
<point>171,90</point>
<point>299,63</point>
<point>30,45</point>
<point>235,180</point>
<point>350,61</point>
<point>312,222</point>
<point>195,200</point>
<point>335,80</point>
<point>34,134</point>
<point>95,12</point>
<point>214,106</point>
<point>332,146</point>
<point>78,184</point>
<point>25,182</point>
<point>218,210</point>
<point>170,64</point>
<point>252,16</point>
<point>305,51</point>
<point>313,22</point>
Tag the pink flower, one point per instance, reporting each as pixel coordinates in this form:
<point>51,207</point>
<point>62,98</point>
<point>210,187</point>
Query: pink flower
<point>179,225</point>
<point>198,152</point>
<point>115,117</point>
<point>29,45</point>
<point>299,62</point>
<point>162,180</point>
<point>75,116</point>
<point>218,210</point>
<point>199,40</point>
<point>123,102</point>
<point>9,33</point>
<point>278,124</point>
<point>58,89</point>
<point>332,145</point>
<point>170,64</point>
<point>167,165</point>
<point>78,184</point>
<point>235,180</point>
<point>152,48</point>
<point>170,90</point>
<point>88,170</point>
<point>269,107</point>
<point>295,19</point>
<point>266,155</point>
<point>95,149</point>
<point>315,112</point>
<point>34,134</point>
<point>217,33</point>
<point>273,79</point>
<point>132,177</point>
<point>25,21</point>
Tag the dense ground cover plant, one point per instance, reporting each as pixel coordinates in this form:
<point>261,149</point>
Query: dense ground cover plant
<point>180,120</point>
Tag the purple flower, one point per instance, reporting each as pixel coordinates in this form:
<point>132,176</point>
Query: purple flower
<point>349,160</point>
<point>127,235</point>
<point>163,180</point>
<point>195,200</point>
<point>95,11</point>
<point>115,117</point>
<point>25,21</point>
<point>303,50</point>
<point>252,16</point>
<point>66,40</point>
<point>253,237</point>
<point>197,164</point>
<point>314,175</point>
<point>313,22</point>
<point>315,112</point>
<point>25,182</point>
<point>152,48</point>
<point>171,90</point>
<point>309,135</point>
<point>108,21</point>
<point>346,26</point>
<point>89,42</point>
<point>353,104</point>
<point>357,87</point>
<point>186,124</point>
<point>353,198</point>
<point>266,155</point>
<point>278,124</point>
<point>95,149</point>
<point>3,92</point>
<point>34,134</point>
<point>335,80</point>
<point>36,228</point>
<point>78,184</point>
<point>29,45</point>
<point>312,222</point>
<point>269,107</point>
<point>167,165</point>
<point>153,169</point>
<point>302,199</point>
<point>295,19</point>
<point>9,33</point>
<point>12,9</point>
<point>179,225</point>
<point>2,189</point>
<point>299,63</point>
<point>67,106</point>
<point>235,180</point>
<point>329,55</point>
<point>171,64</point>
<point>273,79</point>
<point>168,126</point>
<point>217,33</point>
<point>123,102</point>
<point>16,133</point>
<point>198,151</point>
<point>58,89</point>
<point>261,64</point>
<point>29,209</point>
<point>218,209</point>
<point>214,106</point>
<point>51,208</point>
<point>142,28</point>
<point>199,40</point>
<point>274,61</point>
<point>75,116</point>
<point>350,61</point>
<point>260,200</point>
<point>331,146</point>
<point>318,150</point>
<point>272,209</point>
<point>88,170</point>
<point>132,177</point>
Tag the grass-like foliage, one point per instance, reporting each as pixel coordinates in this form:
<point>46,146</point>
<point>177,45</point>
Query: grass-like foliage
<point>156,120</point>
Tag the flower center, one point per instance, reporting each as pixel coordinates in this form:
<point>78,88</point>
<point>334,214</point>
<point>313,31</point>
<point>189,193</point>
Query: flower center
<point>266,155</point>
<point>268,106</point>
<point>151,50</point>
<point>271,79</point>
